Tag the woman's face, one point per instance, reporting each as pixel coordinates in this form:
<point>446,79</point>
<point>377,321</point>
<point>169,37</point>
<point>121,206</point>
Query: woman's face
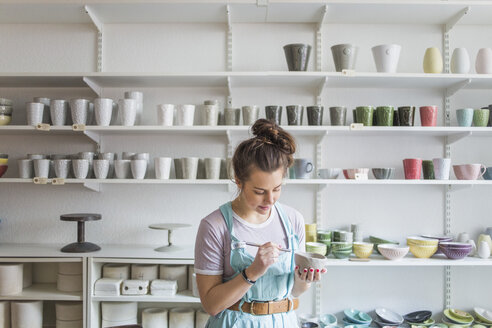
<point>262,190</point>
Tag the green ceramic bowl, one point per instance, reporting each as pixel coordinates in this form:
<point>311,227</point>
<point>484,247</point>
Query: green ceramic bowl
<point>341,254</point>
<point>324,235</point>
<point>318,248</point>
<point>458,316</point>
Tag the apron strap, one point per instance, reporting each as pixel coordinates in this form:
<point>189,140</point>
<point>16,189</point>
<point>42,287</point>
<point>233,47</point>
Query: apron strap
<point>226,211</point>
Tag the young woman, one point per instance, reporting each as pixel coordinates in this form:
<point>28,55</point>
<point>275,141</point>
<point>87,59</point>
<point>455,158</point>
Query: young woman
<point>248,286</point>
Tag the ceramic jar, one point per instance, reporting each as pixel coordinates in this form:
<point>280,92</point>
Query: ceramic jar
<point>144,271</point>
<point>11,278</point>
<point>182,318</point>
<point>433,61</point>
<point>460,61</point>
<point>386,57</point>
<point>154,318</point>
<point>483,63</point>
<point>116,271</point>
<point>27,314</point>
<point>175,272</point>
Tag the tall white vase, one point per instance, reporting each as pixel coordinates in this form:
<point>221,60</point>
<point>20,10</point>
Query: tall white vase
<point>460,61</point>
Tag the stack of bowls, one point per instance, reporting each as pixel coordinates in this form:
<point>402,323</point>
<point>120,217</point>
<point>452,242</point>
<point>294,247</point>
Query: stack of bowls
<point>387,317</point>
<point>455,250</point>
<point>457,317</point>
<point>5,111</point>
<point>483,316</point>
<point>393,252</point>
<point>328,320</point>
<point>343,236</point>
<point>4,164</point>
<point>419,318</point>
<point>422,247</point>
<point>363,250</point>
<point>324,237</point>
<point>314,247</point>
<point>341,250</point>
<point>356,318</point>
<point>440,238</point>
<point>376,241</point>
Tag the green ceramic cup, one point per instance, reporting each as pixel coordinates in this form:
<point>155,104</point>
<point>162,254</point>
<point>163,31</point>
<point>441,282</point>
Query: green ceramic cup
<point>364,115</point>
<point>428,170</point>
<point>481,117</point>
<point>385,115</point>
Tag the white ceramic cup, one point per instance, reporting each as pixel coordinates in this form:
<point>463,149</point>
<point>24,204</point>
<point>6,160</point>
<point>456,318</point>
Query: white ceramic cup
<point>127,109</point>
<point>62,167</point>
<point>138,96</point>
<point>110,157</point>
<point>189,167</point>
<point>185,115</point>
<point>88,155</point>
<point>386,57</point>
<point>122,168</point>
<point>212,167</point>
<point>250,114</point>
<point>58,111</point>
<point>442,167</point>
<point>46,111</point>
<point>34,113</point>
<point>139,168</point>
<point>162,167</point>
<point>27,314</point>
<point>101,168</point>
<point>460,61</point>
<point>463,237</point>
<point>41,168</point>
<point>182,318</point>
<point>25,168</point>
<point>210,114</point>
<point>154,318</point>
<point>103,110</point>
<point>165,114</point>
<point>80,111</point>
<point>483,63</point>
<point>80,168</point>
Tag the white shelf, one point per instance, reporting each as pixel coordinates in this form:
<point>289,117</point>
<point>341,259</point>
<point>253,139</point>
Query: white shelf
<point>182,297</point>
<point>410,260</point>
<point>44,292</point>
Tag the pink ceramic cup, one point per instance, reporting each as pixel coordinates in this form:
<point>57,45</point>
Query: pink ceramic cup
<point>469,171</point>
<point>428,115</point>
<point>412,168</point>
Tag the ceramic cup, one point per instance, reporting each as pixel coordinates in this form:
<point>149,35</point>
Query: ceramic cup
<point>364,115</point>
<point>464,116</point>
<point>178,168</point>
<point>386,57</point>
<point>433,61</point>
<point>488,173</point>
<point>89,156</point>
<point>80,168</point>
<point>189,167</point>
<point>58,111</point>
<point>481,117</point>
<point>103,111</point>
<point>110,157</point>
<point>442,167</point>
<point>62,167</point>
<point>460,61</point>
<point>302,169</point>
<point>428,169</point>
<point>274,113</point>
<point>406,115</point>
<point>46,111</point>
<point>212,168</point>
<point>232,116</point>
<point>297,56</point>
<point>487,239</point>
<point>344,56</point>
<point>25,168</point>
<point>295,114</point>
<point>34,113</point>
<point>463,237</point>
<point>138,96</point>
<point>122,168</point>
<point>428,115</point>
<point>483,250</point>
<point>384,115</point>
<point>185,115</point>
<point>162,167</point>
<point>315,115</point>
<point>383,173</point>
<point>79,108</point>
<point>338,115</point>
<point>483,63</point>
<point>127,111</point>
<point>165,114</point>
<point>41,168</point>
<point>101,168</point>
<point>138,168</point>
<point>250,114</point>
<point>412,168</point>
<point>210,114</point>
<point>469,171</point>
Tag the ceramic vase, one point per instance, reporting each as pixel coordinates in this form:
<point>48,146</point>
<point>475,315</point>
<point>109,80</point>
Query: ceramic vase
<point>433,61</point>
<point>386,57</point>
<point>460,61</point>
<point>483,63</point>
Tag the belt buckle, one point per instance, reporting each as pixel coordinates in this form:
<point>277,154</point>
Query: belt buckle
<point>251,308</point>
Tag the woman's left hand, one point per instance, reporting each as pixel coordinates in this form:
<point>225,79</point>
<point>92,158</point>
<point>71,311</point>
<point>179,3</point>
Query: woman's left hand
<point>309,275</point>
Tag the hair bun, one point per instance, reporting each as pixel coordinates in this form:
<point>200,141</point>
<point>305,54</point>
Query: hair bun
<point>270,133</point>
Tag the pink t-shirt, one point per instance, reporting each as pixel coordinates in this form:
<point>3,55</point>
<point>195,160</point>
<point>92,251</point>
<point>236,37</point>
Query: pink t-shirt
<point>213,242</point>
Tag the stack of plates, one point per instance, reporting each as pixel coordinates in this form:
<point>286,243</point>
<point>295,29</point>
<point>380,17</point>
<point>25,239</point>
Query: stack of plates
<point>484,317</point>
<point>419,318</point>
<point>457,317</point>
<point>356,318</point>
<point>387,317</point>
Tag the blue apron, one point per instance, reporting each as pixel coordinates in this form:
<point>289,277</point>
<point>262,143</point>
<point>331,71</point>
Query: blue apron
<point>274,285</point>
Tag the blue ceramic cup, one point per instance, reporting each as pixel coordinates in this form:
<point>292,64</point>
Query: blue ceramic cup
<point>488,173</point>
<point>464,116</point>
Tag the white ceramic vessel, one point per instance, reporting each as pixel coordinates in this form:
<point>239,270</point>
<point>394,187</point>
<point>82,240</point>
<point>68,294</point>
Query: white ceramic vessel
<point>103,111</point>
<point>185,115</point>
<point>460,61</point>
<point>165,114</point>
<point>138,96</point>
<point>4,314</point>
<point>127,110</point>
<point>69,311</point>
<point>119,311</point>
<point>144,271</point>
<point>483,250</point>
<point>11,278</point>
<point>154,318</point>
<point>483,63</point>
<point>182,318</point>
<point>175,272</point>
<point>116,271</point>
<point>27,314</point>
<point>386,57</point>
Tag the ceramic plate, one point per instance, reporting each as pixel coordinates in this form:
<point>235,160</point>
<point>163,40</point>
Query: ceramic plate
<point>417,316</point>
<point>358,325</point>
<point>484,315</point>
<point>327,320</point>
<point>458,316</point>
<point>451,322</point>
<point>389,316</point>
<point>357,316</point>
<point>426,323</point>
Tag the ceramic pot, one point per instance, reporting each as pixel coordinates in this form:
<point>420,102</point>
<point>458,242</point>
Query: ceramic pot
<point>297,56</point>
<point>433,61</point>
<point>69,311</point>
<point>464,116</point>
<point>4,314</point>
<point>70,268</point>
<point>144,271</point>
<point>182,318</point>
<point>460,61</point>
<point>428,115</point>
<point>344,56</point>
<point>154,318</point>
<point>175,272</point>
<point>412,168</point>
<point>116,271</point>
<point>11,278</point>
<point>27,314</point>
<point>119,311</point>
<point>295,114</point>
<point>386,57</point>
<point>483,63</point>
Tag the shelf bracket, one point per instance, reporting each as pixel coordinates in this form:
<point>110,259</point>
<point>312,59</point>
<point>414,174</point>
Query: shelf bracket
<point>319,40</point>
<point>229,39</point>
<point>93,85</point>
<point>457,87</point>
<point>457,137</point>
<point>94,186</point>
<point>229,92</point>
<point>94,136</point>
<point>456,18</point>
<point>99,26</point>
<point>320,90</point>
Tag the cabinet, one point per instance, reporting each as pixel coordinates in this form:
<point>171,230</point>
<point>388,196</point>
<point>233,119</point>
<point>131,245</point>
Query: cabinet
<point>187,52</point>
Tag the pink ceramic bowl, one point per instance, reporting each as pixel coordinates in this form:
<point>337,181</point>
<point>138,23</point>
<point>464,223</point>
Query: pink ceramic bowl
<point>393,252</point>
<point>469,171</point>
<point>350,173</point>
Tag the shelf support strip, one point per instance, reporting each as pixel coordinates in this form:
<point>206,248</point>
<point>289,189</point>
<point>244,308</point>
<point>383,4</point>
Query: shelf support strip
<point>229,40</point>
<point>99,27</point>
<point>319,40</point>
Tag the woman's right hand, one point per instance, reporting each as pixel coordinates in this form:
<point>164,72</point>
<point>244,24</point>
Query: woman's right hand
<point>267,255</point>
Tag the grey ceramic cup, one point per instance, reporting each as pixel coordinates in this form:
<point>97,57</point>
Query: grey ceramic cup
<point>302,168</point>
<point>34,113</point>
<point>103,111</point>
<point>110,157</point>
<point>297,56</point>
<point>200,174</point>
<point>80,168</point>
<point>59,111</point>
<point>330,173</point>
<point>338,115</point>
<point>178,168</point>
<point>210,114</point>
<point>41,168</point>
<point>190,167</point>
<point>383,173</point>
<point>315,115</point>
<point>122,168</point>
<point>442,167</point>
<point>62,167</point>
<point>212,167</point>
<point>250,114</point>
<point>80,111</point>
<point>274,113</point>
<point>138,168</point>
<point>232,116</point>
<point>295,114</point>
<point>25,168</point>
<point>89,156</point>
<point>46,111</point>
<point>344,56</point>
<point>101,168</point>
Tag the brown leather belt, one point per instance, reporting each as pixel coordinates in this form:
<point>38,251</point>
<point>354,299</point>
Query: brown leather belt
<point>271,307</point>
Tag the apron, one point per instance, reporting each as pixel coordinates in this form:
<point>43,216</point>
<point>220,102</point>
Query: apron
<point>274,285</point>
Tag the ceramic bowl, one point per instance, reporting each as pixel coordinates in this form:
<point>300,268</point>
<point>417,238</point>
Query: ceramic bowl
<point>310,260</point>
<point>357,316</point>
<point>376,241</point>
<point>5,119</point>
<point>6,102</point>
<point>422,251</point>
<point>4,161</point>
<point>314,247</point>
<point>324,235</point>
<point>383,324</point>
<point>5,110</point>
<point>389,316</point>
<point>417,316</point>
<point>349,324</point>
<point>383,173</point>
<point>484,315</point>
<point>417,240</point>
<point>327,320</point>
<point>454,324</point>
<point>426,323</point>
<point>341,245</point>
<point>458,316</point>
<point>3,169</point>
<point>350,173</point>
<point>455,252</point>
<point>363,250</point>
<point>331,173</point>
<point>4,155</point>
<point>393,252</point>
<point>341,254</point>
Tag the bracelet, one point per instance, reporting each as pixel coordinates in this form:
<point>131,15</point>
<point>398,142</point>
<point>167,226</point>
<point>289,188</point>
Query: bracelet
<point>251,282</point>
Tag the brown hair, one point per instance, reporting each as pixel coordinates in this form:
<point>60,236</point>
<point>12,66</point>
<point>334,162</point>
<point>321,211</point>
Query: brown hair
<point>270,149</point>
